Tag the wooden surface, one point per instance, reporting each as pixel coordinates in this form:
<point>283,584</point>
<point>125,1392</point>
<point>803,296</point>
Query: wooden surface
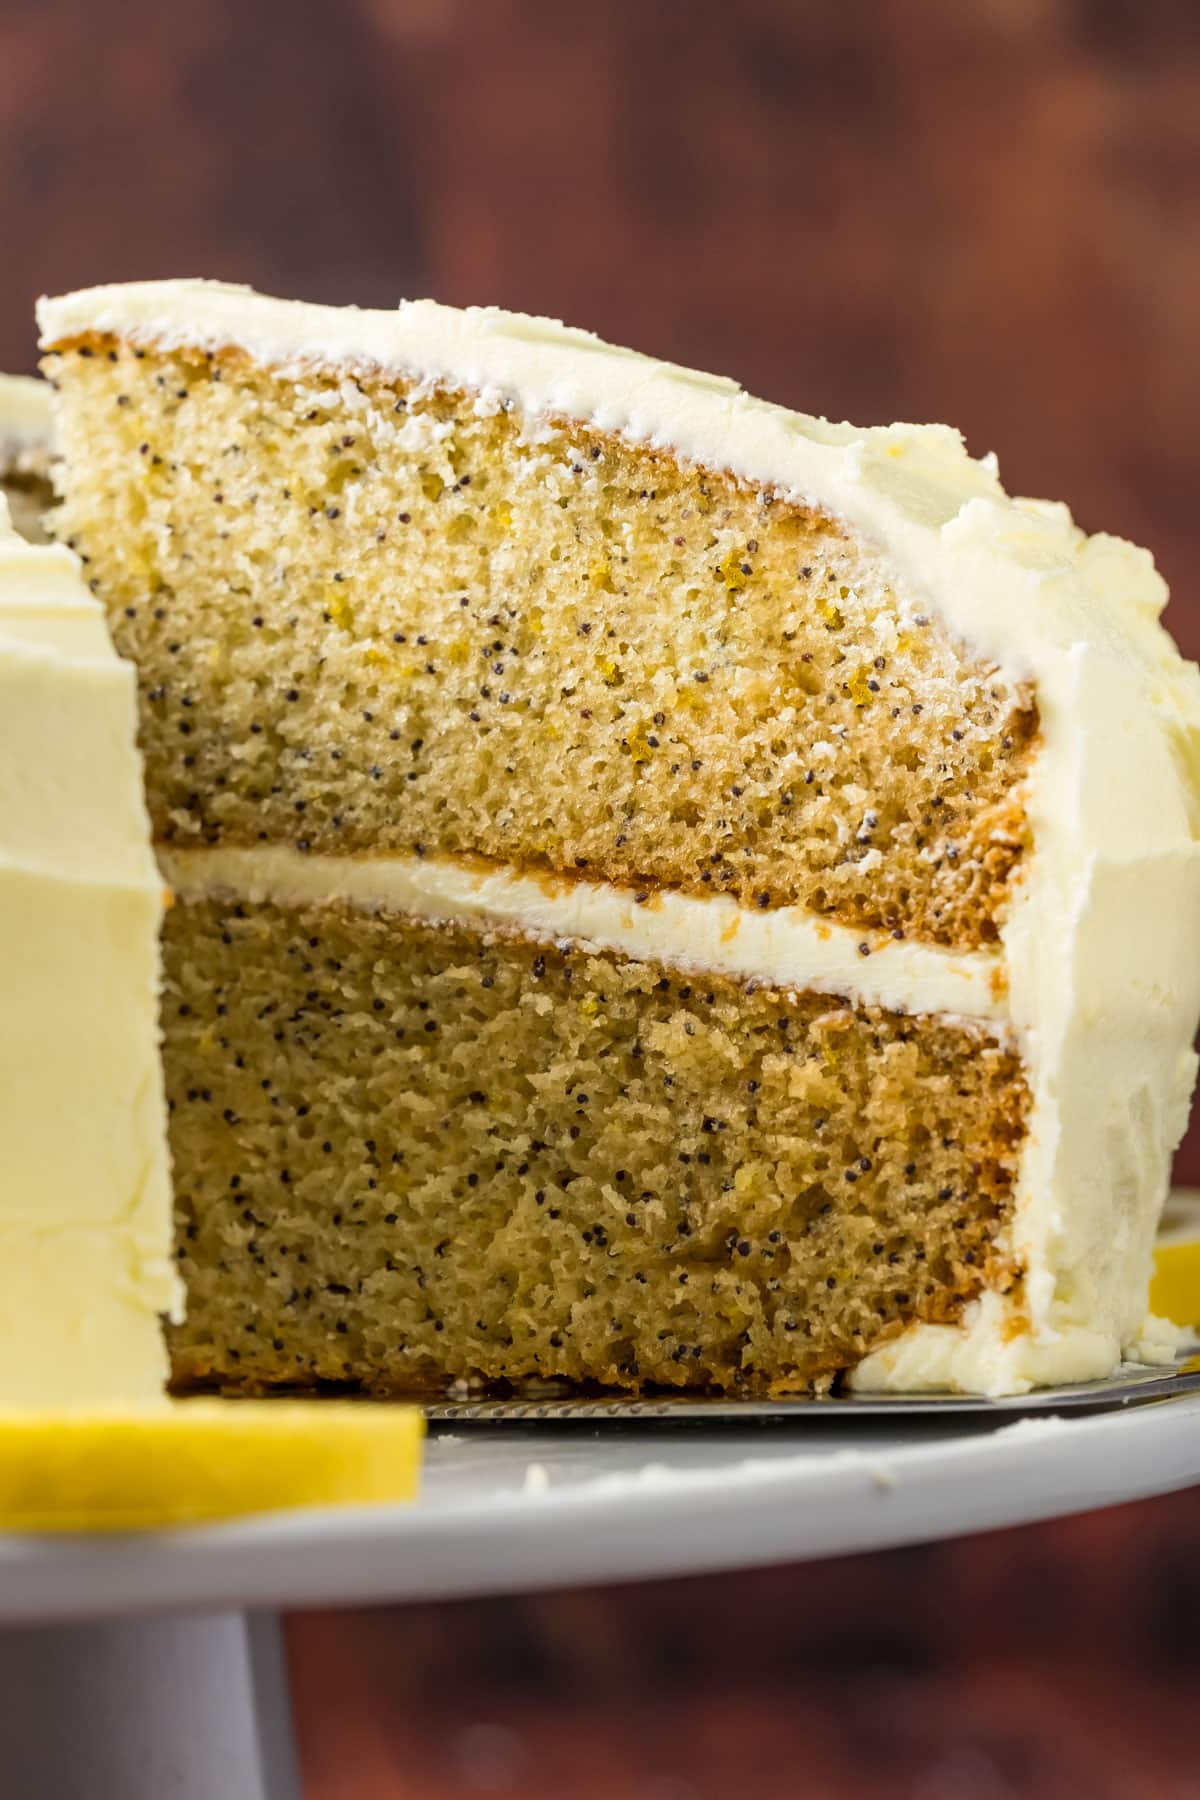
<point>986,211</point>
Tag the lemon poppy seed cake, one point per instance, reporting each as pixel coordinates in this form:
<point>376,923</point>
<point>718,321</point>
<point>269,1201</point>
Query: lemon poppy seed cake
<point>666,890</point>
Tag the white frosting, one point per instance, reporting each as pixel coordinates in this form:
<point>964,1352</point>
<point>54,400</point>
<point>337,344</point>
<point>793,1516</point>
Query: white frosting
<point>1104,981</point>
<point>85,1216</point>
<point>785,948</point>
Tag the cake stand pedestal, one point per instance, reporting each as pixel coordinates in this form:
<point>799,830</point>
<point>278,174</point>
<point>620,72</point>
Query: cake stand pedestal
<point>147,1709</point>
<point>122,1678</point>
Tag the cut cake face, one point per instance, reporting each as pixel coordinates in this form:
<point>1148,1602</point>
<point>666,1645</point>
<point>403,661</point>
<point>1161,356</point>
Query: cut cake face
<point>661,882</point>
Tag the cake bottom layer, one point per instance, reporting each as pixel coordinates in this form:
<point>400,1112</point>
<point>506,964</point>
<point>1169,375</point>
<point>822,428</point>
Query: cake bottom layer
<point>407,1154</point>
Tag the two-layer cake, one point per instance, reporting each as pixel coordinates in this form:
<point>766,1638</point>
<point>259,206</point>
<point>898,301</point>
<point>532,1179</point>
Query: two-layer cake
<point>666,890</point>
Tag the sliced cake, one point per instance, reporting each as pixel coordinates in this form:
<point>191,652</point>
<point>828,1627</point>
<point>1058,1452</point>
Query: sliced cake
<point>667,890</point>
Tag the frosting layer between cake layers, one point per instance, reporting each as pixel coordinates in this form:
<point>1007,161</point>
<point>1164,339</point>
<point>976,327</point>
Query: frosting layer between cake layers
<point>786,947</point>
<point>85,1264</point>
<point>1099,946</point>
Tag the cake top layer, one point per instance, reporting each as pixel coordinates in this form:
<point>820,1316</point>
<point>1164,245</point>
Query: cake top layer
<point>909,487</point>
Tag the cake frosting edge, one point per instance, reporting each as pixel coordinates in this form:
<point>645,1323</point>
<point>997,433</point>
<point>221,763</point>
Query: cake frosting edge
<point>85,1205</point>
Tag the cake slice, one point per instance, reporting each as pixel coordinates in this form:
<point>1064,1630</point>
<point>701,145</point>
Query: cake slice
<point>85,1209</point>
<point>667,890</point>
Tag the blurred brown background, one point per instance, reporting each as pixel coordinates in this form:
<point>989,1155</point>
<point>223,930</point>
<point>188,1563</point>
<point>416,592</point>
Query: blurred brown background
<point>986,211</point>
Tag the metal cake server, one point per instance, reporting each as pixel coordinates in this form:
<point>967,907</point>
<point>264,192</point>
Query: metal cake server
<point>1131,1384</point>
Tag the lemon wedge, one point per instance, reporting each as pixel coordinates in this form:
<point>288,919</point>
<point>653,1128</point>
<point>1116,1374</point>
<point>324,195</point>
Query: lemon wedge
<point>187,1461</point>
<point>1175,1284</point>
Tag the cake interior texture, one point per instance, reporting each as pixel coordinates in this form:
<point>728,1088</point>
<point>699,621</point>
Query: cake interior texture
<point>376,617</point>
<point>406,1152</point>
<point>369,616</point>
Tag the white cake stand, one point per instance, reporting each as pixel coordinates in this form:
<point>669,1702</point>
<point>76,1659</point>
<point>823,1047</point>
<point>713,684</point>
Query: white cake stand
<point>150,1666</point>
